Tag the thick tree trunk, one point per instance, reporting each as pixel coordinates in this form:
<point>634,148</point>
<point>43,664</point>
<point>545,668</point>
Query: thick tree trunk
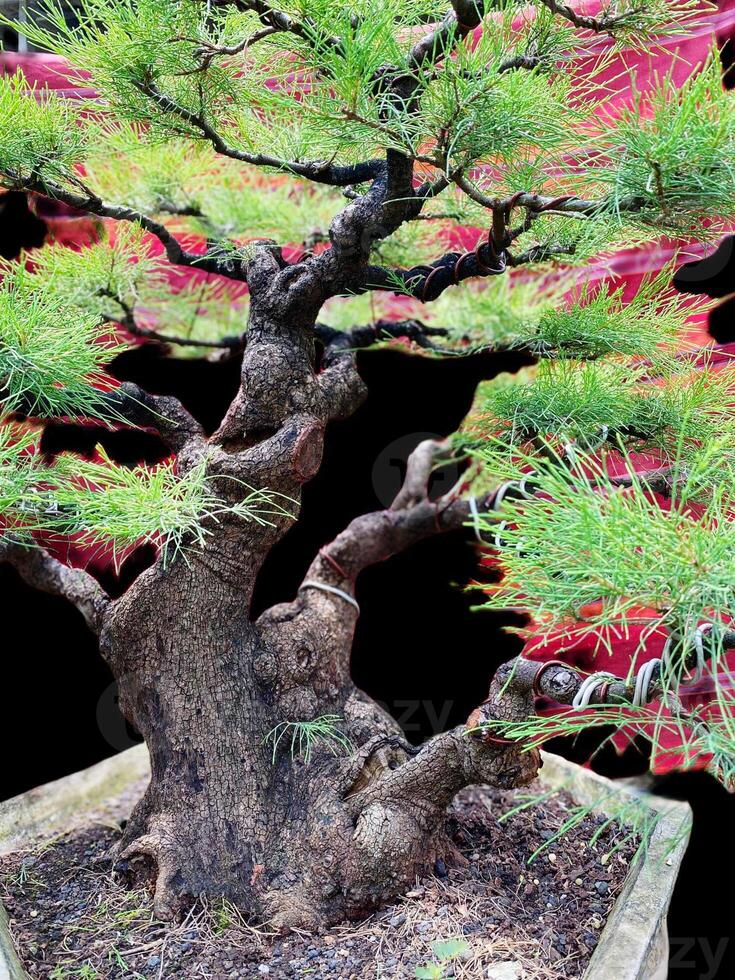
<point>300,839</point>
<point>298,842</point>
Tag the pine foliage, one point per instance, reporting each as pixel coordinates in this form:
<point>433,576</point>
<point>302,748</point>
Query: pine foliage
<point>108,508</point>
<point>39,132</point>
<point>102,503</point>
<point>52,352</point>
<point>672,149</point>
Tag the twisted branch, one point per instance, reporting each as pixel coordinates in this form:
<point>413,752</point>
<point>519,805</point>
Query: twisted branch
<point>127,320</point>
<point>561,683</point>
<point>41,571</point>
<point>164,413</point>
<point>90,203</point>
<point>411,518</point>
<point>317,171</point>
<point>606,23</point>
<point>428,282</point>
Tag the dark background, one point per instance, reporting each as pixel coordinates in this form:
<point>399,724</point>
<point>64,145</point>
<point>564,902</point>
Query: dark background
<point>419,648</point>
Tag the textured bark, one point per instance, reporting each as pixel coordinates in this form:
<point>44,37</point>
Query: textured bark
<point>299,843</point>
<point>40,570</point>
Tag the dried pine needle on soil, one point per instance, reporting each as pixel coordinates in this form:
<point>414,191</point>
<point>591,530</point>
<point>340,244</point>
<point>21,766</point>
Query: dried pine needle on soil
<point>509,920</point>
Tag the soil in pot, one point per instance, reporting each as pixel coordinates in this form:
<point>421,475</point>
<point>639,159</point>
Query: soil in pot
<point>496,917</point>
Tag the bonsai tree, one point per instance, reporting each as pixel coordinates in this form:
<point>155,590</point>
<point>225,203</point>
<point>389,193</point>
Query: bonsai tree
<point>330,157</point>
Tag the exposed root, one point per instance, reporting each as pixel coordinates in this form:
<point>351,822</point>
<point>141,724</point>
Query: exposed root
<point>375,757</point>
<point>150,860</point>
<point>292,910</point>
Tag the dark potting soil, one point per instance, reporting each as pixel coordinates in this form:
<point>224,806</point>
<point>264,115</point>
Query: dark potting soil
<point>508,919</point>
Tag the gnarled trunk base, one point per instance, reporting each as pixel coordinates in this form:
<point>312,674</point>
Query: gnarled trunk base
<point>297,839</point>
<point>338,839</point>
<point>239,806</point>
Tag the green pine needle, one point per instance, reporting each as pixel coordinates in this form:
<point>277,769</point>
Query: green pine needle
<point>97,279</point>
<point>38,133</point>
<point>100,503</point>
<point>307,737</point>
<point>582,540</point>
<point>19,473</point>
<point>571,401</point>
<point>674,151</point>
<point>52,353</point>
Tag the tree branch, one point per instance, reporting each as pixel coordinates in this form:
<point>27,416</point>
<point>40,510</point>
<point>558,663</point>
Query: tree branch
<point>419,468</point>
<point>428,782</point>
<point>392,199</point>
<point>337,343</point>
<point>278,21</point>
<point>412,517</point>
<point>520,678</point>
<point>208,52</point>
<point>427,282</point>
<point>662,481</point>
<point>340,382</point>
<point>127,320</point>
<point>36,567</point>
<point>177,427</point>
<point>526,61</point>
<point>340,346</point>
<point>606,23</point>
<point>318,171</point>
<point>537,204</point>
<point>92,204</point>
<point>461,20</point>
<point>342,387</point>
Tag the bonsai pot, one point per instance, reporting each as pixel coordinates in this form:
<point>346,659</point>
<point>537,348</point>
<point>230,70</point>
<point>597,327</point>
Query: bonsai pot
<point>633,944</point>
